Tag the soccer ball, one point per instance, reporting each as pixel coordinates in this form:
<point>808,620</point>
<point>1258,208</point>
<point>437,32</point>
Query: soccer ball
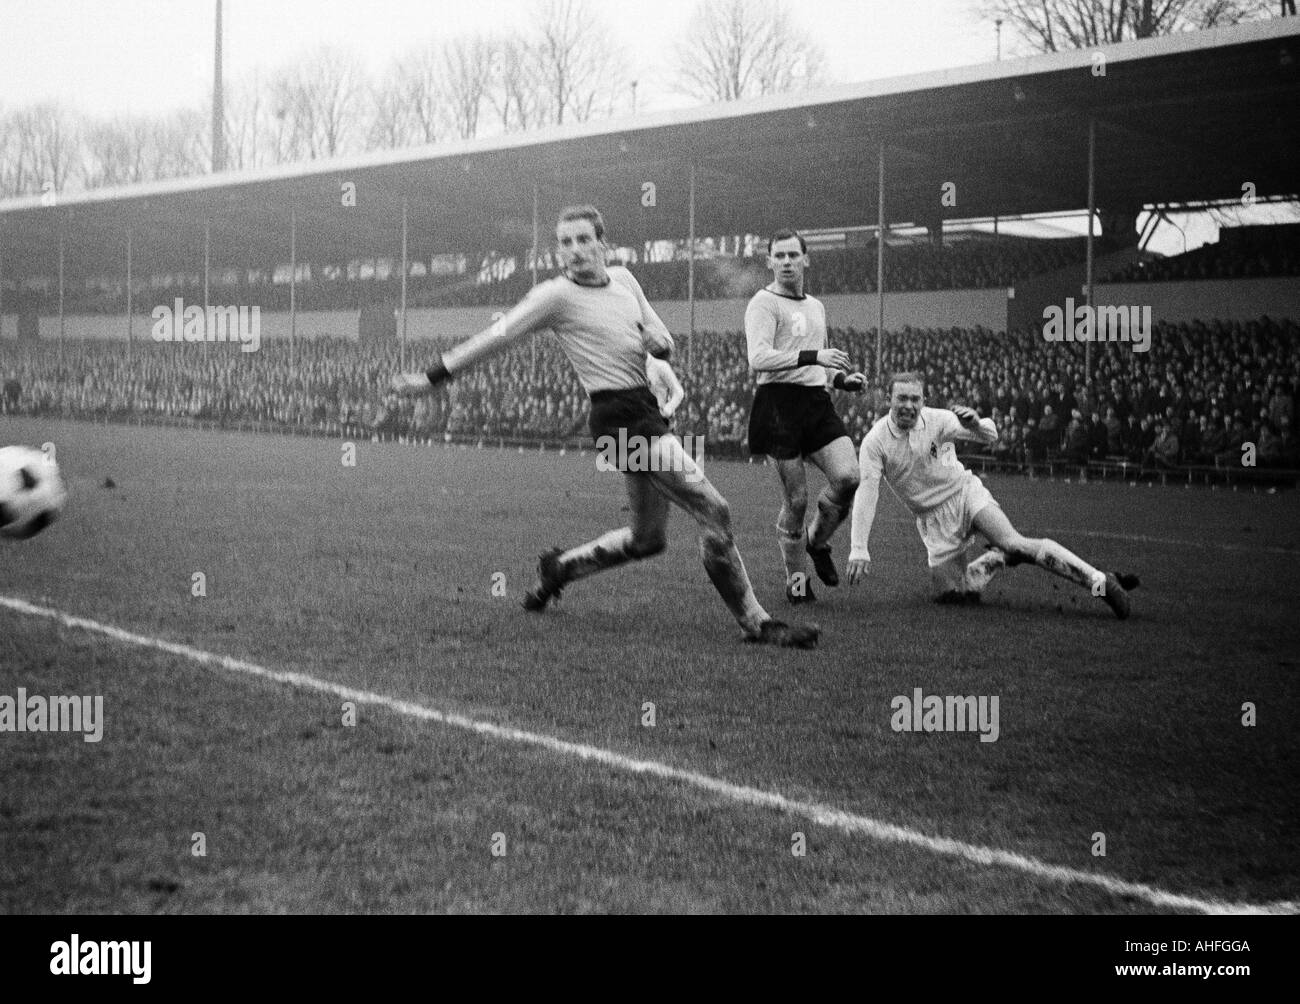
<point>31,492</point>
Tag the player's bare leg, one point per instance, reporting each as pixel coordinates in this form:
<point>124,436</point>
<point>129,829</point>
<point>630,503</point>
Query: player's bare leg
<point>680,479</point>
<point>790,530</point>
<point>992,522</point>
<point>644,537</point>
<point>838,461</point>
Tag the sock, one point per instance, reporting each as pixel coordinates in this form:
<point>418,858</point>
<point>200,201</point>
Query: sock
<point>727,573</point>
<point>792,553</point>
<point>830,514</point>
<point>606,551</point>
<point>1068,565</point>
<point>980,572</point>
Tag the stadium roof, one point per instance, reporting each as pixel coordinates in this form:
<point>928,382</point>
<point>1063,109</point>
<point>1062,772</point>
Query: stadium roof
<point>1181,118</point>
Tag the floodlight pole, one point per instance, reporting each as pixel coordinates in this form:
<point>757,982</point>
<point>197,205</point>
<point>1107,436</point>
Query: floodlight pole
<point>293,283</point>
<point>690,276</point>
<point>880,260</point>
<point>1092,209</point>
<point>401,352</point>
<point>128,294</point>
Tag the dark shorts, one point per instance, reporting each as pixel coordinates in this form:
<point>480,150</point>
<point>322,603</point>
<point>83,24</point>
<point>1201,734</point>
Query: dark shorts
<point>789,421</point>
<point>635,410</point>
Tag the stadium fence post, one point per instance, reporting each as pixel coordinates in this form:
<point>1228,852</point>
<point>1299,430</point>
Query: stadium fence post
<point>1092,211</point>
<point>402,350</point>
<point>128,293</point>
<point>207,265</point>
<point>536,240</point>
<point>293,284</point>
<point>880,259</point>
<point>61,241</point>
<point>690,274</point>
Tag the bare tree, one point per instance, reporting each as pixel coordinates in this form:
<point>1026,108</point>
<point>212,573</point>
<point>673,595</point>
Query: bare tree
<point>514,93</point>
<point>577,66</point>
<point>178,145</point>
<point>116,152</point>
<point>47,138</point>
<point>319,100</point>
<point>467,76</point>
<point>745,48</point>
<point>1053,25</point>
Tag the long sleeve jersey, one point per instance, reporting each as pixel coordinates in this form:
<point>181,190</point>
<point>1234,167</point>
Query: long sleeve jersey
<point>777,328</point>
<point>920,465</point>
<point>605,331</point>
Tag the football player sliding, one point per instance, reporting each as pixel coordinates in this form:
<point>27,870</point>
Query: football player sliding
<point>912,447</point>
<point>606,327</point>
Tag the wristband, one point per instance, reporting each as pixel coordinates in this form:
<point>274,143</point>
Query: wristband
<point>808,357</point>
<point>838,380</point>
<point>438,372</point>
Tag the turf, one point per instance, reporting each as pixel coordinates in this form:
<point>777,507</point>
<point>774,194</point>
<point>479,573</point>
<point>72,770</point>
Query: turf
<point>381,576</point>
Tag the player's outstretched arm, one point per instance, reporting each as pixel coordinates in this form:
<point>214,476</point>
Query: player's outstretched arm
<point>870,465</point>
<point>533,312</point>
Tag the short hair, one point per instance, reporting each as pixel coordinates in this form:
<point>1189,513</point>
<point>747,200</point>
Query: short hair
<point>590,213</point>
<point>785,234</point>
<point>905,376</point>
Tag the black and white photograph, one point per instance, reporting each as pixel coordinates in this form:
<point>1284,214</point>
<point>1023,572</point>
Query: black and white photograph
<point>655,457</point>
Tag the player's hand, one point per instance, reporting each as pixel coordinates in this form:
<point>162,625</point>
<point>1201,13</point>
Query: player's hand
<point>857,570</point>
<point>664,384</point>
<point>968,417</point>
<point>854,383</point>
<point>836,359</point>
<point>410,384</point>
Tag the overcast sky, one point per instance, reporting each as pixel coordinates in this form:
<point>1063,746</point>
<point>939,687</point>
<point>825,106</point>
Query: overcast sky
<point>110,56</point>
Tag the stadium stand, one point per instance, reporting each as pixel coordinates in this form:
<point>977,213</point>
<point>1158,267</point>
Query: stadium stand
<point>1242,253</point>
<point>965,264</point>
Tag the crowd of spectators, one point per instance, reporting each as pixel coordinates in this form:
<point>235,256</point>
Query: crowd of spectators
<point>1199,396</point>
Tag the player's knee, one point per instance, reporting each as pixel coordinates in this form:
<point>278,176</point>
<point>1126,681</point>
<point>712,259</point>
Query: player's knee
<point>715,516</point>
<point>844,486</point>
<point>1020,548</point>
<point>647,544</point>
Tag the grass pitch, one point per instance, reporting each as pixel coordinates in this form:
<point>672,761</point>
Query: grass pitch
<point>381,577</point>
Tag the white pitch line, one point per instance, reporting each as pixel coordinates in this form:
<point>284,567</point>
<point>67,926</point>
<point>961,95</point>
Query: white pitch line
<point>825,815</point>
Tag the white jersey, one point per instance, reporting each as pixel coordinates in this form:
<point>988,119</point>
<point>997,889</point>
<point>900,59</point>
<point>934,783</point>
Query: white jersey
<point>920,465</point>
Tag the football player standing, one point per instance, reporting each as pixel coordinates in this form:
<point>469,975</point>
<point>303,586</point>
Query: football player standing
<point>606,327</point>
<point>793,420</point>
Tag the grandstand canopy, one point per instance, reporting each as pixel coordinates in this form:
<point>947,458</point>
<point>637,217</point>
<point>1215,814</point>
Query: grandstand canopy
<point>1179,119</point>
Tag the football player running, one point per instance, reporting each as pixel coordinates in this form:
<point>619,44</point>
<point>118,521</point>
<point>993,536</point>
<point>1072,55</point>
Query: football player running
<point>793,420</point>
<point>912,447</point>
<point>606,327</point>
